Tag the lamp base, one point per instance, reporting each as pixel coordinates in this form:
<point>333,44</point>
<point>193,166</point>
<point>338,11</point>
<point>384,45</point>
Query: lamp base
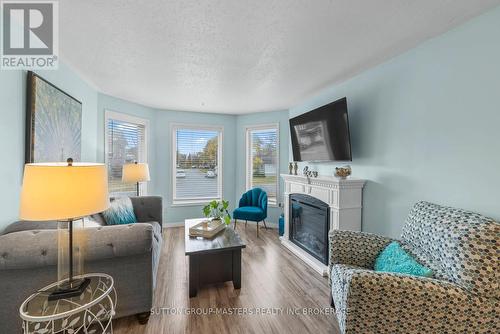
<point>70,289</point>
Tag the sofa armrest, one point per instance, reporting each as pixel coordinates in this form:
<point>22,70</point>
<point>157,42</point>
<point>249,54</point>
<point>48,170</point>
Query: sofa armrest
<point>379,301</point>
<point>148,209</point>
<point>355,248</point>
<point>38,248</point>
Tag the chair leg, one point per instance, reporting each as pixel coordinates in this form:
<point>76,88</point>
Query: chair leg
<point>257,229</point>
<point>246,222</point>
<point>265,224</point>
<point>235,223</point>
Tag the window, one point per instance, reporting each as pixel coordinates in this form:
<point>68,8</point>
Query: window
<point>197,164</point>
<point>125,143</point>
<point>262,156</point>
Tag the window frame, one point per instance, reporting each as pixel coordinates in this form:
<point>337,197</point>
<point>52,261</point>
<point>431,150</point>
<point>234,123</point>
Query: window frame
<point>114,115</point>
<point>174,127</point>
<point>248,157</point>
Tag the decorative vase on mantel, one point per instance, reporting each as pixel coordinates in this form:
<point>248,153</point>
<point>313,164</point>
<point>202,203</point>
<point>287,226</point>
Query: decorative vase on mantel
<point>343,172</point>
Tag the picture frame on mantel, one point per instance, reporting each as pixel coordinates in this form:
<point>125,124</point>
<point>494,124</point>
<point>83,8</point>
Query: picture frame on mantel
<point>53,123</point>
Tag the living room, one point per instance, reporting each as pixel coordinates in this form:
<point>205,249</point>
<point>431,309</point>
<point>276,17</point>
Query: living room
<point>250,167</point>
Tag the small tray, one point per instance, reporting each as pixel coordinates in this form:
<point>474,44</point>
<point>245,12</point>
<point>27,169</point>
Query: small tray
<point>206,229</point>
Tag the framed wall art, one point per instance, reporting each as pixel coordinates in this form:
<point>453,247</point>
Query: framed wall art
<point>53,123</point>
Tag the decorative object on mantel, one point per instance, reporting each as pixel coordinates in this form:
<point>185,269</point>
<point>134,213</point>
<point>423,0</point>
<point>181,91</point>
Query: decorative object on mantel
<point>343,172</point>
<point>290,168</point>
<point>295,168</point>
<point>217,210</point>
<point>309,173</point>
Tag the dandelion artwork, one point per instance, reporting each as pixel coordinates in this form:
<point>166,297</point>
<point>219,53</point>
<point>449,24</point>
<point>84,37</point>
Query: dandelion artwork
<point>53,123</point>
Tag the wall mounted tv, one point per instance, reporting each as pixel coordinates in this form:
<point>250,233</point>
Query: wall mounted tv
<point>322,134</point>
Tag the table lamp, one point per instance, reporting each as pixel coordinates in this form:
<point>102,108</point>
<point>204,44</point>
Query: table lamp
<point>64,192</point>
<point>135,173</point>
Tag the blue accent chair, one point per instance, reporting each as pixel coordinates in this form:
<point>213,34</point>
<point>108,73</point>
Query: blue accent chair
<point>253,207</point>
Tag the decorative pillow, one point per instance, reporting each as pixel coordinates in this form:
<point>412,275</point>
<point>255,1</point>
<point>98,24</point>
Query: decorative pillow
<point>120,212</point>
<point>395,259</point>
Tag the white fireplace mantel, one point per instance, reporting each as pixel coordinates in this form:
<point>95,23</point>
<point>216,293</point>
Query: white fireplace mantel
<point>343,197</point>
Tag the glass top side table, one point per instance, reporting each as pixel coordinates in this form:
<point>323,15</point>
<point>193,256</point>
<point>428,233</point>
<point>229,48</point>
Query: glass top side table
<point>89,313</point>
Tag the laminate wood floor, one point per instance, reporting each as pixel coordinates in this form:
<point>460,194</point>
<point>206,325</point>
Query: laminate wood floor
<point>274,281</point>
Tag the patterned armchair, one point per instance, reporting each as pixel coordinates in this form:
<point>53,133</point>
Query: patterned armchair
<point>461,247</point>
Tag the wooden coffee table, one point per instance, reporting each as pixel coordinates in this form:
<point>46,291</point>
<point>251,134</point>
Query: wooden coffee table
<point>213,260</point>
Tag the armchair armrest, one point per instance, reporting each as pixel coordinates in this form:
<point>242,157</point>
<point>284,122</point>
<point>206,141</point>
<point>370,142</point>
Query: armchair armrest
<point>369,301</point>
<point>355,248</point>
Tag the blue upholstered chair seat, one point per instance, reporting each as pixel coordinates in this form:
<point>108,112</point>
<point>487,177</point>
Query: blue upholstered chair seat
<point>252,213</point>
<point>253,207</point>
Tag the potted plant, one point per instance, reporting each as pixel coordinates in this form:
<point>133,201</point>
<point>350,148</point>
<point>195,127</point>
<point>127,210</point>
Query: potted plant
<point>217,210</point>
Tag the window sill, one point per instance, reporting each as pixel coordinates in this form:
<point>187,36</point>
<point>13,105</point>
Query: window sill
<point>177,203</point>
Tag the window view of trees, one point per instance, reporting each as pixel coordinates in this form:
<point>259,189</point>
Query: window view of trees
<point>264,161</point>
<point>197,165</point>
<point>206,159</point>
<point>126,144</point>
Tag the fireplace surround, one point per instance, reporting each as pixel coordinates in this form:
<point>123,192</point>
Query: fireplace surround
<point>342,201</point>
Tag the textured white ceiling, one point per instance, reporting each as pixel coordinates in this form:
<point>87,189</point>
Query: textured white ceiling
<point>240,56</point>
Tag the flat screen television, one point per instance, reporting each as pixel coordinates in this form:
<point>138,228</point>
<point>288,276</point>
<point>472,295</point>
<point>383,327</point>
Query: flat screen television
<point>322,134</point>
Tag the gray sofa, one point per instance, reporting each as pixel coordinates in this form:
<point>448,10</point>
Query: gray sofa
<point>129,253</point>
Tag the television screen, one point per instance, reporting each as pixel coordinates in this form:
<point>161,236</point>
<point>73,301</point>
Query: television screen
<point>322,134</point>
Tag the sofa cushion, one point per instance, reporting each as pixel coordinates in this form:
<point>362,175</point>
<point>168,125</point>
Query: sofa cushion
<point>457,245</point>
<point>120,212</point>
<point>394,259</point>
<point>24,225</point>
<point>29,225</point>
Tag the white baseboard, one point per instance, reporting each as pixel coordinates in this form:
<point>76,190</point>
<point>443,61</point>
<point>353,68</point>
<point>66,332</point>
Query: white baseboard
<point>268,224</point>
<point>180,224</point>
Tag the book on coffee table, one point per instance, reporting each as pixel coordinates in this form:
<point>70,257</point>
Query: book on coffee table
<point>206,229</point>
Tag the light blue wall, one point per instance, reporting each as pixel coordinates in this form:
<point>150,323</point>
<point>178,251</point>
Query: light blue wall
<point>12,92</point>
<point>425,126</point>
<point>242,123</point>
<point>12,129</point>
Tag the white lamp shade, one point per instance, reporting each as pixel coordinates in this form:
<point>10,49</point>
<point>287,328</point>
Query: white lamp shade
<point>137,172</point>
<point>56,191</point>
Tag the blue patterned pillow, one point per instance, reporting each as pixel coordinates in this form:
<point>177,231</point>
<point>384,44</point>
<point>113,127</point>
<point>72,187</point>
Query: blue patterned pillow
<point>120,212</point>
<point>395,259</point>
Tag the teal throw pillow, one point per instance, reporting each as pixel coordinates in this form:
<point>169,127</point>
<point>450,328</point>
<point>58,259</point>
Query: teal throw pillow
<point>395,259</point>
<point>120,212</point>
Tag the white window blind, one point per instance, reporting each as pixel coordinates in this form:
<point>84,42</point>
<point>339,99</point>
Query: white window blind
<point>263,160</point>
<point>197,164</point>
<point>125,143</point>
